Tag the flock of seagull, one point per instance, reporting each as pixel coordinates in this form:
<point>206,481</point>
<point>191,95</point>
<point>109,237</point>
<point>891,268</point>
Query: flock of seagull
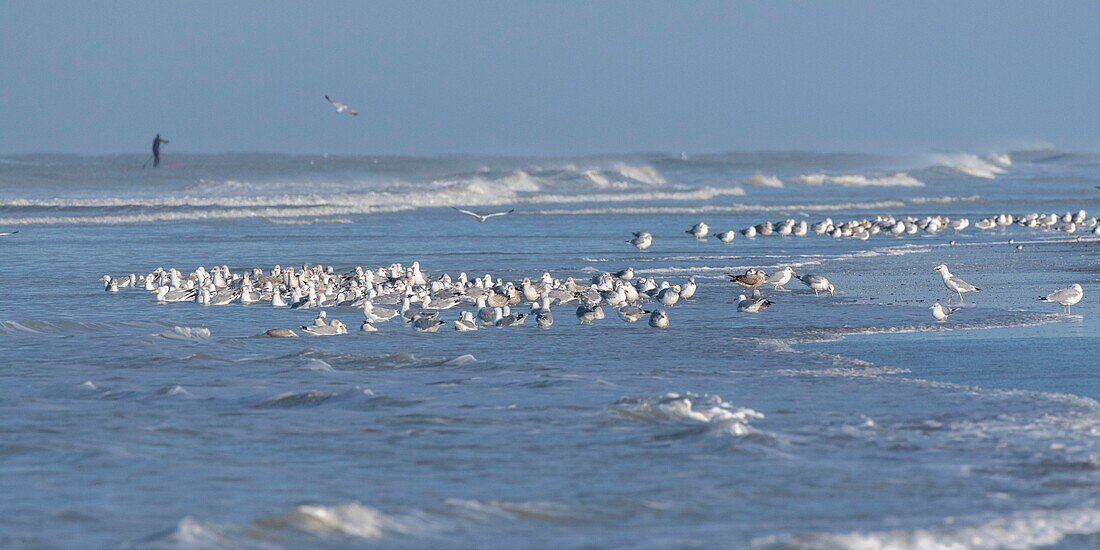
<point>863,229</point>
<point>411,296</point>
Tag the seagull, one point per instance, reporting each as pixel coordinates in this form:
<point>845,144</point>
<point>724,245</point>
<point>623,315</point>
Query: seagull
<point>482,217</point>
<point>588,313</point>
<point>752,305</point>
<point>780,278</point>
<point>427,324</point>
<point>466,322</point>
<point>941,312</point>
<point>280,333</point>
<point>687,290</point>
<point>341,107</point>
<point>544,317</point>
<point>726,236</point>
<point>659,319</point>
<point>751,279</point>
<point>817,283</point>
<point>669,296</point>
<point>953,283</point>
<point>699,231</point>
<point>632,313</point>
<point>331,329</point>
<point>1066,296</point>
<point>513,320</point>
<point>642,240</point>
<point>8,233</point>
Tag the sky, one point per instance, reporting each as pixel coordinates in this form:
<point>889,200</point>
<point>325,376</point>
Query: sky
<point>548,78</point>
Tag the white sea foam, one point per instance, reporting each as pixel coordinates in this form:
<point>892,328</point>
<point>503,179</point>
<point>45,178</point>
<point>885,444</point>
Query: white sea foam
<point>718,209</point>
<point>352,520</point>
<point>943,200</point>
<point>192,533</point>
<point>975,166</point>
<point>313,221</point>
<point>899,179</point>
<point>185,333</point>
<point>761,180</point>
<point>1022,530</point>
<point>330,207</point>
<point>533,511</point>
<point>706,410</point>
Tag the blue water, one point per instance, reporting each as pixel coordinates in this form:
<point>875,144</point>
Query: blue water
<point>125,424</point>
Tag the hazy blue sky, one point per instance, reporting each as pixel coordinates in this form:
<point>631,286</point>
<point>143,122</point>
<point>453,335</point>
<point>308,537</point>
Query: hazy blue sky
<point>548,77</point>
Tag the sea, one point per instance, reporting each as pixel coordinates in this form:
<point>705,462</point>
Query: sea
<point>846,421</point>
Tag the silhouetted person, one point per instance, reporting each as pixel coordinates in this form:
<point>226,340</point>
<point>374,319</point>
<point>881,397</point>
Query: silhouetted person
<point>156,150</point>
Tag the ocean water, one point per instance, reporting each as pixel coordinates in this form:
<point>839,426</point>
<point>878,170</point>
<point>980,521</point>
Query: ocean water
<point>847,421</point>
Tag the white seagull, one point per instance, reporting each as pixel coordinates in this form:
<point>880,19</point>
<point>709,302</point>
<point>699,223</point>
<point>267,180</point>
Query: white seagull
<point>642,240</point>
<point>817,283</point>
<point>659,319</point>
<point>941,312</point>
<point>780,278</point>
<point>1066,296</point>
<point>482,217</point>
<point>341,107</point>
<point>8,233</point>
<point>953,283</point>
<point>699,231</point>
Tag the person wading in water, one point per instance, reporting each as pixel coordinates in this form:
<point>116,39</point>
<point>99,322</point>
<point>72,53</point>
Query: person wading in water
<point>156,150</point>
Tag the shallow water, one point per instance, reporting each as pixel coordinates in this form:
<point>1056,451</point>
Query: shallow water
<point>846,421</point>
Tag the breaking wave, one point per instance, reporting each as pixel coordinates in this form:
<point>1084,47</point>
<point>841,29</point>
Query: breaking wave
<point>899,179</point>
<point>972,165</point>
<point>185,333</point>
<point>761,180</point>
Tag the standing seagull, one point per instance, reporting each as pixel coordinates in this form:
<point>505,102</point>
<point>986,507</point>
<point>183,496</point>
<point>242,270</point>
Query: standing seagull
<point>699,231</point>
<point>1066,296</point>
<point>341,107</point>
<point>953,283</point>
<point>642,240</point>
<point>817,283</point>
<point>482,217</point>
<point>941,312</point>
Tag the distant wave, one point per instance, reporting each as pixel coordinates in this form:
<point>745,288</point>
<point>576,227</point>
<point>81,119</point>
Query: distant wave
<point>327,208</point>
<point>943,200</point>
<point>47,327</point>
<point>708,209</point>
<point>899,179</point>
<point>761,180</point>
<point>641,173</point>
<point>972,165</point>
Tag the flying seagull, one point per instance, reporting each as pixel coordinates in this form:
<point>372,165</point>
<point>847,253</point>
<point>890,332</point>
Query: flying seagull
<point>482,217</point>
<point>8,233</point>
<point>341,107</point>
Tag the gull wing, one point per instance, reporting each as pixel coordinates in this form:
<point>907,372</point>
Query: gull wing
<point>962,284</point>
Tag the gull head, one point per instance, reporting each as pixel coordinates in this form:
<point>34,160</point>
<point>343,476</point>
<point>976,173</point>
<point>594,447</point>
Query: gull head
<point>942,268</point>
